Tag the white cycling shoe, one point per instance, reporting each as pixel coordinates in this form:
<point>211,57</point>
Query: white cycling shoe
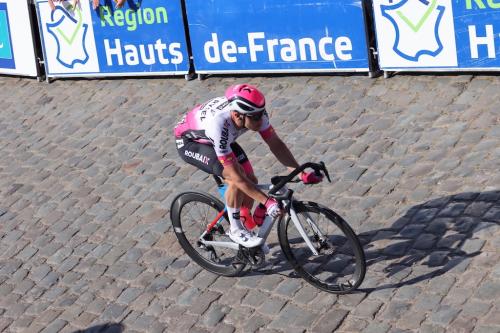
<point>245,238</point>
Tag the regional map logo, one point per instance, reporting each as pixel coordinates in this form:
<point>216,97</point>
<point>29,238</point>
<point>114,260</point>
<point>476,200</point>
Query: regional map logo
<point>415,33</point>
<point>69,32</point>
<point>67,37</point>
<point>6,52</point>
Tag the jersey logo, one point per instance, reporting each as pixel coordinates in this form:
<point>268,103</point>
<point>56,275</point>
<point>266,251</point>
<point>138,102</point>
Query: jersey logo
<point>197,156</point>
<point>224,137</point>
<point>222,106</point>
<point>70,34</point>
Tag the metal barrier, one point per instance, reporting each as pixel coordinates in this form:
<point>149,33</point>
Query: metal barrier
<point>438,35</point>
<point>142,38</point>
<point>155,37</point>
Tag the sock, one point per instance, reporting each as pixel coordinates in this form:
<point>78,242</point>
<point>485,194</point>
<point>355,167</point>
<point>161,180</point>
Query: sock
<point>234,219</point>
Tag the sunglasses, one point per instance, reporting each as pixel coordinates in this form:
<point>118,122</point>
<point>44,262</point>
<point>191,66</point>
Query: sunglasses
<point>255,116</point>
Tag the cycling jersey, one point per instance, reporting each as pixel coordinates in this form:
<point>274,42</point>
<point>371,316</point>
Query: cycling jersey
<point>211,123</point>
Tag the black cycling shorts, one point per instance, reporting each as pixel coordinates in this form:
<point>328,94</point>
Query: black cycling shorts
<point>203,156</point>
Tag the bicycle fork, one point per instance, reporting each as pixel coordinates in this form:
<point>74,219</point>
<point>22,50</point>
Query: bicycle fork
<point>302,232</point>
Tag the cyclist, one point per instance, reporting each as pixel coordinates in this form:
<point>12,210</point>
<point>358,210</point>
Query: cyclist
<point>205,138</point>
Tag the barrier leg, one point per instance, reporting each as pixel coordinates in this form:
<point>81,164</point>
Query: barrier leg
<point>190,76</point>
<point>374,74</point>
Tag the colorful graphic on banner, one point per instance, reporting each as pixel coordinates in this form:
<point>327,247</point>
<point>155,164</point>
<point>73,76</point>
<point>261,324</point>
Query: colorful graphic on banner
<point>142,37</point>
<point>69,33</point>
<point>436,34</point>
<point>6,52</point>
<point>227,36</point>
<point>417,33</point>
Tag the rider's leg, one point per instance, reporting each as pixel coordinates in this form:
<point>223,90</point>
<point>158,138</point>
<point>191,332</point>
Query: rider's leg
<point>234,199</point>
<point>247,204</point>
<point>248,201</point>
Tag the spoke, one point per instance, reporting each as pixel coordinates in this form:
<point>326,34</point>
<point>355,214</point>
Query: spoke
<point>206,216</point>
<point>191,211</point>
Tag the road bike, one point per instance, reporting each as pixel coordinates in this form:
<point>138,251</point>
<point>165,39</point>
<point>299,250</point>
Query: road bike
<point>318,243</point>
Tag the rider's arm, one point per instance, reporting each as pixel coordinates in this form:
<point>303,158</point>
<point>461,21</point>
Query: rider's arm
<point>235,174</point>
<point>281,151</point>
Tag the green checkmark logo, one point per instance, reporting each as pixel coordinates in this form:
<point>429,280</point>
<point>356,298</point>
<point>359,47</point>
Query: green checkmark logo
<point>420,23</point>
<point>70,39</point>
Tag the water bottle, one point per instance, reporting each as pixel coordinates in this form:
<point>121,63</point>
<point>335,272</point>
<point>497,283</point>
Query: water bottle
<point>259,214</point>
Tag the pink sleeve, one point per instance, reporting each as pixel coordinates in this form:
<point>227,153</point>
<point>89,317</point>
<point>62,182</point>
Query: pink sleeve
<point>266,130</point>
<point>267,133</point>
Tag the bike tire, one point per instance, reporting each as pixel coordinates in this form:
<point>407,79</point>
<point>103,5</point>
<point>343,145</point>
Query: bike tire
<point>189,226</point>
<point>340,267</point>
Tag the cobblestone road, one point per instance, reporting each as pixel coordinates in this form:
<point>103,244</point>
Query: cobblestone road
<point>88,169</point>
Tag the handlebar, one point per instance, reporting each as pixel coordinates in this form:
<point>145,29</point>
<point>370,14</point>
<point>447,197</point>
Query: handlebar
<point>282,180</point>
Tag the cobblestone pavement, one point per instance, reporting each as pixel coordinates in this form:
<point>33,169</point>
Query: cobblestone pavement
<point>88,170</point>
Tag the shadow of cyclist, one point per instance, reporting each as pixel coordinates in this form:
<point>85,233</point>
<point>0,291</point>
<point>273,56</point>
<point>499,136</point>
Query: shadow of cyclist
<point>431,239</point>
<point>105,328</point>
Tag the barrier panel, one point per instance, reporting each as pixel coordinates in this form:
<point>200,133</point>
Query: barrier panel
<point>438,34</point>
<point>142,38</point>
<point>277,36</point>
<point>17,51</point>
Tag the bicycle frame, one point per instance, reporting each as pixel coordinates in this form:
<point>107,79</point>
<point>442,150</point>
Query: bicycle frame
<point>266,227</point>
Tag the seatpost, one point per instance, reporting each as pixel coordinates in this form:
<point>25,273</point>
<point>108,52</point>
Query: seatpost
<point>218,180</point>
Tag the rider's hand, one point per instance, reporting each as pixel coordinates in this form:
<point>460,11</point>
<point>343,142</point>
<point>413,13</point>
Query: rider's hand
<point>310,178</point>
<point>272,208</point>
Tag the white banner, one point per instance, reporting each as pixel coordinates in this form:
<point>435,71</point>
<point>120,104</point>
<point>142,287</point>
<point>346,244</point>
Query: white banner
<point>415,33</point>
<point>67,38</point>
<point>17,53</point>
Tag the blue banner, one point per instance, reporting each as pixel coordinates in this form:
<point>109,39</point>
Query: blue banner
<point>6,52</point>
<point>477,30</point>
<point>277,35</point>
<point>143,37</point>
<point>438,34</point>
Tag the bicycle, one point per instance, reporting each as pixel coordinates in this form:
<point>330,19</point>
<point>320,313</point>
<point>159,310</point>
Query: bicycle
<point>321,247</point>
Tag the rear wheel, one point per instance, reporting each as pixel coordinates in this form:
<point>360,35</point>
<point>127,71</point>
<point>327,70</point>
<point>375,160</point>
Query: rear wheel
<point>340,265</point>
<point>191,213</point>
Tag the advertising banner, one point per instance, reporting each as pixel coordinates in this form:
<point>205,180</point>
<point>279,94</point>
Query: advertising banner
<point>143,37</point>
<point>17,53</point>
<point>277,36</point>
<point>438,34</point>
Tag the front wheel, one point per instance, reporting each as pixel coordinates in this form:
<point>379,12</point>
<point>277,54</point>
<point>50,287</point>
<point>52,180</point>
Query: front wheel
<point>340,265</point>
